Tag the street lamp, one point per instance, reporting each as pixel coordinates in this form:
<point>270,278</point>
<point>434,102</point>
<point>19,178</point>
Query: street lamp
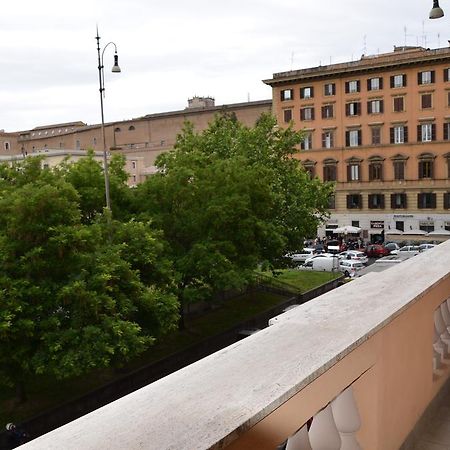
<point>436,12</point>
<point>101,78</point>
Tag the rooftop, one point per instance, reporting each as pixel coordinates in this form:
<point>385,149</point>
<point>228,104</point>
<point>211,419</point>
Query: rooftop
<point>401,56</point>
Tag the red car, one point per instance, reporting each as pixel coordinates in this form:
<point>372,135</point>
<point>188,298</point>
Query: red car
<point>376,250</point>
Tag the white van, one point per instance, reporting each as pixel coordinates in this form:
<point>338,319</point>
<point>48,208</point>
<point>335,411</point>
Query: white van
<point>330,264</point>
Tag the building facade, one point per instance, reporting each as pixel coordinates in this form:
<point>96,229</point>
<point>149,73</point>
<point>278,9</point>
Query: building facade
<point>141,140</point>
<point>379,128</point>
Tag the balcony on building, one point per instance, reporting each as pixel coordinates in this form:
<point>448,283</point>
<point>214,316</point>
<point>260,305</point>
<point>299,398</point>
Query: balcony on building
<point>362,366</point>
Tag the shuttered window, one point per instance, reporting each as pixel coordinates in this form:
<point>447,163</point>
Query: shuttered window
<point>398,201</point>
<point>426,200</point>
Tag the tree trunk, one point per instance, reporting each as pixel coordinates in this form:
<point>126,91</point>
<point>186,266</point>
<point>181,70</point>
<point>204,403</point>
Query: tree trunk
<point>181,320</point>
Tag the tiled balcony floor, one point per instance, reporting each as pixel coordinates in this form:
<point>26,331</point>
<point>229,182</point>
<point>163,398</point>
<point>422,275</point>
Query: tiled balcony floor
<point>437,436</point>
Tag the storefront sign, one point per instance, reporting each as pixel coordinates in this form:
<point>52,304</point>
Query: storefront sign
<point>377,224</point>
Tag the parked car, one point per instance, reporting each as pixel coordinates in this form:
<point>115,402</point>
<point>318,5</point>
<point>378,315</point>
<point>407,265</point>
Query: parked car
<point>302,256</point>
<point>377,250</point>
<point>354,255</point>
<point>424,247</point>
<point>407,249</point>
<point>320,255</point>
<point>391,246</point>
<point>350,267</point>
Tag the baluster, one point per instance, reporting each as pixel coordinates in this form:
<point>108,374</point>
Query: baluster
<point>323,434</point>
<point>299,441</point>
<point>347,419</point>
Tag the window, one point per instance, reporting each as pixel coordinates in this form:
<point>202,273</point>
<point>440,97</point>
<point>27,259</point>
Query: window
<point>447,157</point>
<point>6,145</point>
<point>332,202</point>
<point>307,92</point>
<point>426,200</point>
<point>287,115</point>
<point>446,75</point>
<point>307,113</point>
<point>354,171</point>
<point>374,84</point>
<point>399,163</point>
<point>376,201</point>
<point>310,167</point>
<point>327,112</point>
<point>306,143</point>
<point>376,135</point>
<point>353,109</point>
<point>374,106</point>
<point>330,170</point>
<point>352,86</point>
<point>426,132</point>
<point>78,145</point>
<point>355,223</point>
<point>399,134</point>
<point>426,101</point>
<point>376,169</point>
<point>117,130</point>
<point>447,206</point>
<point>400,225</point>
<point>133,164</point>
<point>426,77</point>
<point>287,94</point>
<point>353,138</point>
<point>328,139</point>
<point>446,131</point>
<point>131,128</point>
<point>354,201</point>
<point>425,169</point>
<point>94,141</point>
<point>398,201</point>
<point>399,104</point>
<point>329,89</point>
<point>398,81</point>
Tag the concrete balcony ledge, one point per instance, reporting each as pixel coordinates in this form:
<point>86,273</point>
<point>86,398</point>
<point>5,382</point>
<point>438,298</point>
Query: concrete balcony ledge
<point>370,333</point>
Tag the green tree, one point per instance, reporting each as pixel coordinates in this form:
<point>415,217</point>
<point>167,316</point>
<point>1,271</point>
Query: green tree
<point>71,294</point>
<point>230,198</point>
<point>86,176</point>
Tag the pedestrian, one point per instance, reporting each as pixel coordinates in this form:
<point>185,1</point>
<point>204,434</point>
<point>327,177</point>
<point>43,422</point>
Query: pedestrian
<point>15,436</point>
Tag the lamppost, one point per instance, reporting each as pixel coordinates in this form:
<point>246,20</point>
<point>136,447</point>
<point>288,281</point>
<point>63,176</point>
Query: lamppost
<point>101,78</point>
<point>436,12</point>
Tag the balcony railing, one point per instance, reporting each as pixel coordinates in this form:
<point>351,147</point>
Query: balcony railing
<point>353,368</point>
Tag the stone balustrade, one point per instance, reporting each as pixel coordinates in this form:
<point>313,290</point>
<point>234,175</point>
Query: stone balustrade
<point>352,369</point>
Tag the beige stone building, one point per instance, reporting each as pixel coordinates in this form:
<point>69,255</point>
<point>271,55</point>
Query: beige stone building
<point>141,140</point>
<point>380,128</point>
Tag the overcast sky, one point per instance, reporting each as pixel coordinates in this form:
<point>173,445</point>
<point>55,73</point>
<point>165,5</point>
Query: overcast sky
<point>174,49</point>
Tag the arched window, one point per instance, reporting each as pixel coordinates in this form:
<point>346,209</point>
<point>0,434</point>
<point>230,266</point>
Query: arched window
<point>309,166</point>
<point>399,163</point>
<point>376,168</point>
<point>329,169</point>
<point>426,165</point>
<point>131,128</point>
<point>117,130</point>
<point>354,169</point>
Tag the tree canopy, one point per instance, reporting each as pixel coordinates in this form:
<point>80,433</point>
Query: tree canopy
<point>74,296</point>
<point>230,198</point>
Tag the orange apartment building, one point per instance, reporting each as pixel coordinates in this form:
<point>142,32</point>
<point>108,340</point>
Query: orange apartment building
<point>379,128</point>
<point>141,140</point>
